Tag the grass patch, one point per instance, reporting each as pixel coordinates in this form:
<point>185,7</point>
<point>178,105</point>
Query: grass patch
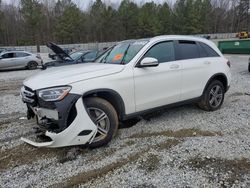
<point>25,154</point>
<point>84,177</point>
<point>129,142</point>
<point>105,153</point>
<point>150,164</point>
<point>225,172</point>
<point>177,134</point>
<point>168,144</point>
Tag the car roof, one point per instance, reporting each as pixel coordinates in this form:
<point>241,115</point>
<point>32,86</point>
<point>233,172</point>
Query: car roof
<point>178,37</point>
<point>16,51</point>
<point>169,37</point>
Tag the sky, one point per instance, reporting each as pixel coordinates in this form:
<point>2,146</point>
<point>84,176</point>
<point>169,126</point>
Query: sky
<point>84,4</point>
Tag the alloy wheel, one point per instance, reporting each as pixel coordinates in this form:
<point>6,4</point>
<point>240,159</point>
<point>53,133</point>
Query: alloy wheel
<point>101,120</point>
<point>215,96</point>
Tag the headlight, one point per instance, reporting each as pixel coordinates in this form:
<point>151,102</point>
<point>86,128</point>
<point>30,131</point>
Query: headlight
<point>54,94</point>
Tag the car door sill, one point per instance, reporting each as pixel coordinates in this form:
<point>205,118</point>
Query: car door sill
<point>136,114</point>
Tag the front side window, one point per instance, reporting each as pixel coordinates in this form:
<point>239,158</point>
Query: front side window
<point>8,55</point>
<point>163,52</point>
<point>187,50</point>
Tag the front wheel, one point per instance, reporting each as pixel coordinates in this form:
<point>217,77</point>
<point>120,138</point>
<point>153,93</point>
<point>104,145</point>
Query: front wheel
<point>105,117</point>
<point>213,96</point>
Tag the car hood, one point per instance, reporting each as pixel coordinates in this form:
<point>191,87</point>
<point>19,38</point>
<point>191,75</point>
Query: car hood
<point>57,76</point>
<point>57,63</point>
<point>58,51</point>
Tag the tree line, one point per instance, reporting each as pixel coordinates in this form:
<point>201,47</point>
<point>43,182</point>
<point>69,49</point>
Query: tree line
<point>62,21</point>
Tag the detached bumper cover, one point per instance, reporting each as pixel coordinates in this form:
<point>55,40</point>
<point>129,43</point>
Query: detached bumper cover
<point>72,134</point>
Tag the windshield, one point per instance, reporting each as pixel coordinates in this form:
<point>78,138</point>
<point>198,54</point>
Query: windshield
<point>123,52</point>
<point>76,55</point>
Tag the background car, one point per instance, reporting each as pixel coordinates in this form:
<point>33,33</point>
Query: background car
<point>62,58</point>
<point>2,50</point>
<point>19,59</point>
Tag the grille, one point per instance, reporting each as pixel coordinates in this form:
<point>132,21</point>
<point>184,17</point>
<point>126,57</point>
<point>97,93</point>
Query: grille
<point>28,96</point>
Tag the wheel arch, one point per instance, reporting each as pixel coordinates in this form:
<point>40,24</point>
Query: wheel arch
<point>219,76</point>
<point>31,61</point>
<point>113,97</point>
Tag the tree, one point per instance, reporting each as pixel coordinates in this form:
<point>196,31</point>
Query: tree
<point>148,23</point>
<point>188,16</point>
<point>31,11</point>
<point>97,20</point>
<point>68,28</point>
<point>1,23</point>
<point>128,16</point>
<point>64,21</point>
<point>165,19</point>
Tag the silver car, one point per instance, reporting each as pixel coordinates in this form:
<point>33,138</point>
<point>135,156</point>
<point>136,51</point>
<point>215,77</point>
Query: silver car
<point>19,59</point>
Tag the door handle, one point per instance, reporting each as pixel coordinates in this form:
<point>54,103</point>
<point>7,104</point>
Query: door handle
<point>174,66</point>
<point>207,63</point>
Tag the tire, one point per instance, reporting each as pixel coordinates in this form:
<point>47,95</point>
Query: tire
<point>108,126</point>
<point>213,96</point>
<point>32,65</point>
<point>249,67</point>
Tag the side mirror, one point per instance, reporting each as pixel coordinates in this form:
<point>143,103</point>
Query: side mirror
<point>148,62</point>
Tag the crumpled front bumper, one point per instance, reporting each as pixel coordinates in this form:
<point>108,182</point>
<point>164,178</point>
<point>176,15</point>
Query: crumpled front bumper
<point>81,131</point>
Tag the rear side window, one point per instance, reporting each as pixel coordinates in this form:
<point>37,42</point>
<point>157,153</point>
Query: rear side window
<point>207,51</point>
<point>21,54</point>
<point>163,52</point>
<point>187,50</point>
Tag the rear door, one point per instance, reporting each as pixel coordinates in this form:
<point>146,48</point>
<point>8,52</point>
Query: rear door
<point>21,59</point>
<point>195,68</point>
<point>161,85</point>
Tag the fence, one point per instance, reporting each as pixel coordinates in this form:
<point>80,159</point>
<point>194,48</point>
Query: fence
<point>92,46</point>
<point>45,49</point>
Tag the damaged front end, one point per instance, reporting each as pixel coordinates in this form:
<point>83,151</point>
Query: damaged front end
<point>65,122</point>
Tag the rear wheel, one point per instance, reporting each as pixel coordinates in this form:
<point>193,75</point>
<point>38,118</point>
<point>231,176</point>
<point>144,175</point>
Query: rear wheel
<point>105,117</point>
<point>32,65</point>
<point>213,96</point>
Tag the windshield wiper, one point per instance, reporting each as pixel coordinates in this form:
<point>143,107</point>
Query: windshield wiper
<point>107,54</point>
<point>125,53</point>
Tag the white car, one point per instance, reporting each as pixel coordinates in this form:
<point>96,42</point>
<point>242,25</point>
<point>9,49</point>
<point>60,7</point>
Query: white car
<point>19,59</point>
<point>84,103</point>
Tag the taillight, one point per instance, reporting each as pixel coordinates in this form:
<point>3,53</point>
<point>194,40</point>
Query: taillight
<point>38,56</point>
<point>228,64</point>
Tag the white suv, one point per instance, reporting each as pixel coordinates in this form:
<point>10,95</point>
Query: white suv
<point>84,103</point>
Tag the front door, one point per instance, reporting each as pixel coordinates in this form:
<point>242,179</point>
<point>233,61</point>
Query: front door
<point>161,85</point>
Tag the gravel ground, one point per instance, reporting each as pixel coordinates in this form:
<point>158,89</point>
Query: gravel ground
<point>178,147</point>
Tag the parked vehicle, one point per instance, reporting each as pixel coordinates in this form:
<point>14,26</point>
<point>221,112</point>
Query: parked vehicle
<point>19,59</point>
<point>2,50</point>
<point>243,35</point>
<point>83,104</point>
<point>54,56</point>
<point>63,58</point>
